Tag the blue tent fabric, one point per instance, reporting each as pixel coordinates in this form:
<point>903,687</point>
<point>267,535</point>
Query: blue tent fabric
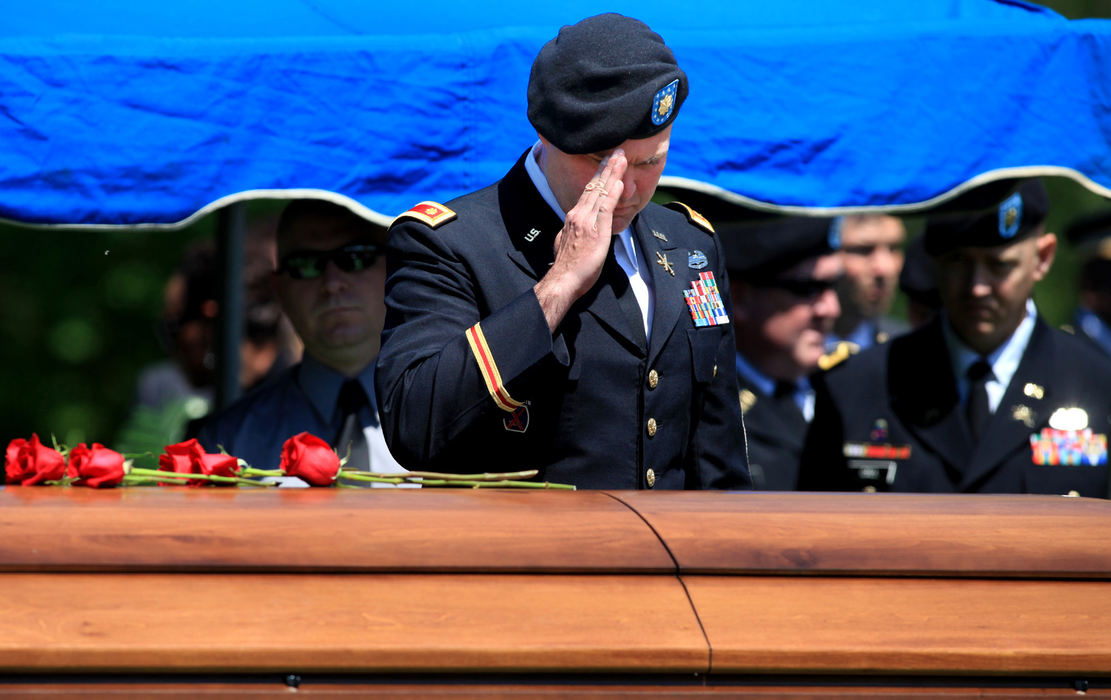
<point>125,113</point>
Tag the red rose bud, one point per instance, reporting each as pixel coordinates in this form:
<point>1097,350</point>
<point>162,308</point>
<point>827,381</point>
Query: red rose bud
<point>30,462</point>
<point>98,466</point>
<point>311,459</point>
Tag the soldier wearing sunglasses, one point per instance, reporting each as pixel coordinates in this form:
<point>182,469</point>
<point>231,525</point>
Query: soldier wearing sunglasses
<point>330,280</point>
<point>784,275</point>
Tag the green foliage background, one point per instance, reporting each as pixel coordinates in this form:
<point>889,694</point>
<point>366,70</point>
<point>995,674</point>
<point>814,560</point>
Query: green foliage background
<point>79,309</point>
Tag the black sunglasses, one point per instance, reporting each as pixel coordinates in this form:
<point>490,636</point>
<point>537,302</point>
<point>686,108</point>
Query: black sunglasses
<point>803,289</point>
<point>310,264</point>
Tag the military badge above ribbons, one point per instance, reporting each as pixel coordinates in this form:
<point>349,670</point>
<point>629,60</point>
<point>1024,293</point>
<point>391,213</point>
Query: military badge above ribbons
<point>663,104</point>
<point>704,301</point>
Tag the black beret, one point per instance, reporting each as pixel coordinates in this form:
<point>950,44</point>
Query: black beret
<point>603,81</point>
<point>756,252</point>
<point>1016,217</point>
<point>916,279</point>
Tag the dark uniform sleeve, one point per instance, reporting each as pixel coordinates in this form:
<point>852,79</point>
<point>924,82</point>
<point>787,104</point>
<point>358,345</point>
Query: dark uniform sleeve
<point>443,357</point>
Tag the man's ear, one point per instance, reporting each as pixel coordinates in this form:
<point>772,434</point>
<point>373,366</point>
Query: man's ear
<point>1046,248</point>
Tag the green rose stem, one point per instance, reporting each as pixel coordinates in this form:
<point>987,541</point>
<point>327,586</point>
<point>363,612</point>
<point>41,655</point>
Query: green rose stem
<point>435,479</point>
<point>159,475</point>
<point>487,476</point>
<point>251,471</point>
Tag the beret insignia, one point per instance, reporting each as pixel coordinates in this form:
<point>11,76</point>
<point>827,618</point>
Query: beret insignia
<point>429,213</point>
<point>693,216</point>
<point>663,103</point>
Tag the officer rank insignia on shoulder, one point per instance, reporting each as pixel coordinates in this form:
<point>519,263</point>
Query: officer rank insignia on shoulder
<point>693,216</point>
<point>839,354</point>
<point>429,213</point>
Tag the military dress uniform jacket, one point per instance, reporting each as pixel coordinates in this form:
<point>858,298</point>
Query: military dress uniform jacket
<point>890,419</point>
<point>471,378</point>
<point>775,429</point>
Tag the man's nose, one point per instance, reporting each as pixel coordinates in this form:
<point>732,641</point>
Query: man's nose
<point>630,185</point>
<point>334,278</point>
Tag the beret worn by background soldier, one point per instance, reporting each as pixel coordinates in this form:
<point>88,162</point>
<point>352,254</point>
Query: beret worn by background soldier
<point>1018,216</point>
<point>585,97</point>
<point>763,250</point>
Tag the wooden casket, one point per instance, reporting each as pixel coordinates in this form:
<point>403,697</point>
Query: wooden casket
<point>180,592</point>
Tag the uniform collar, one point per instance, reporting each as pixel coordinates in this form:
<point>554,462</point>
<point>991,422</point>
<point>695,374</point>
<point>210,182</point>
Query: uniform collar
<point>763,383</point>
<point>1094,327</point>
<point>1004,360</point>
<point>321,385</point>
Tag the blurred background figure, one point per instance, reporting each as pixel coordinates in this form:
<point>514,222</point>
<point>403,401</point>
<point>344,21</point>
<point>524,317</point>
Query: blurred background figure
<point>872,246</point>
<point>916,282</point>
<point>782,276</point>
<point>1091,239</point>
<point>172,396</point>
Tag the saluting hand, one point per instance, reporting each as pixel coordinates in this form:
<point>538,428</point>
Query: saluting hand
<point>583,243</point>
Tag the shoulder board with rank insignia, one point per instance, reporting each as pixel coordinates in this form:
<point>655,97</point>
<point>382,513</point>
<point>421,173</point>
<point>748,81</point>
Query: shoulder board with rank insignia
<point>842,352</point>
<point>694,217</point>
<point>429,213</point>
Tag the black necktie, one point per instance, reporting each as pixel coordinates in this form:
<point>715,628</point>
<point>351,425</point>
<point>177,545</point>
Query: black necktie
<point>351,400</point>
<point>976,408</point>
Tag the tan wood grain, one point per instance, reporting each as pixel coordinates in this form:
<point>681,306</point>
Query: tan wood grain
<point>347,622</point>
<point>179,528</point>
<point>881,534</point>
<point>758,624</point>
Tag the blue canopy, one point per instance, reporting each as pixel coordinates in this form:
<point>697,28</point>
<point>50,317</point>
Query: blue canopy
<point>125,112</point>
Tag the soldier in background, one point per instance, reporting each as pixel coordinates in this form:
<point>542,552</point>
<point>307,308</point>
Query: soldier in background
<point>987,397</point>
<point>1091,237</point>
<point>784,274</point>
<point>872,247</point>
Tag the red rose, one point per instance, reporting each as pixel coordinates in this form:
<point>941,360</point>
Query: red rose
<point>311,459</point>
<point>217,465</point>
<point>182,458</point>
<point>97,466</point>
<point>15,469</point>
<point>30,462</point>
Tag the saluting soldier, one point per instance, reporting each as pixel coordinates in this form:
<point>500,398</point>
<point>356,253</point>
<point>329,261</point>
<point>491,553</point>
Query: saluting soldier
<point>557,319</point>
<point>784,276</point>
<point>985,398</point>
